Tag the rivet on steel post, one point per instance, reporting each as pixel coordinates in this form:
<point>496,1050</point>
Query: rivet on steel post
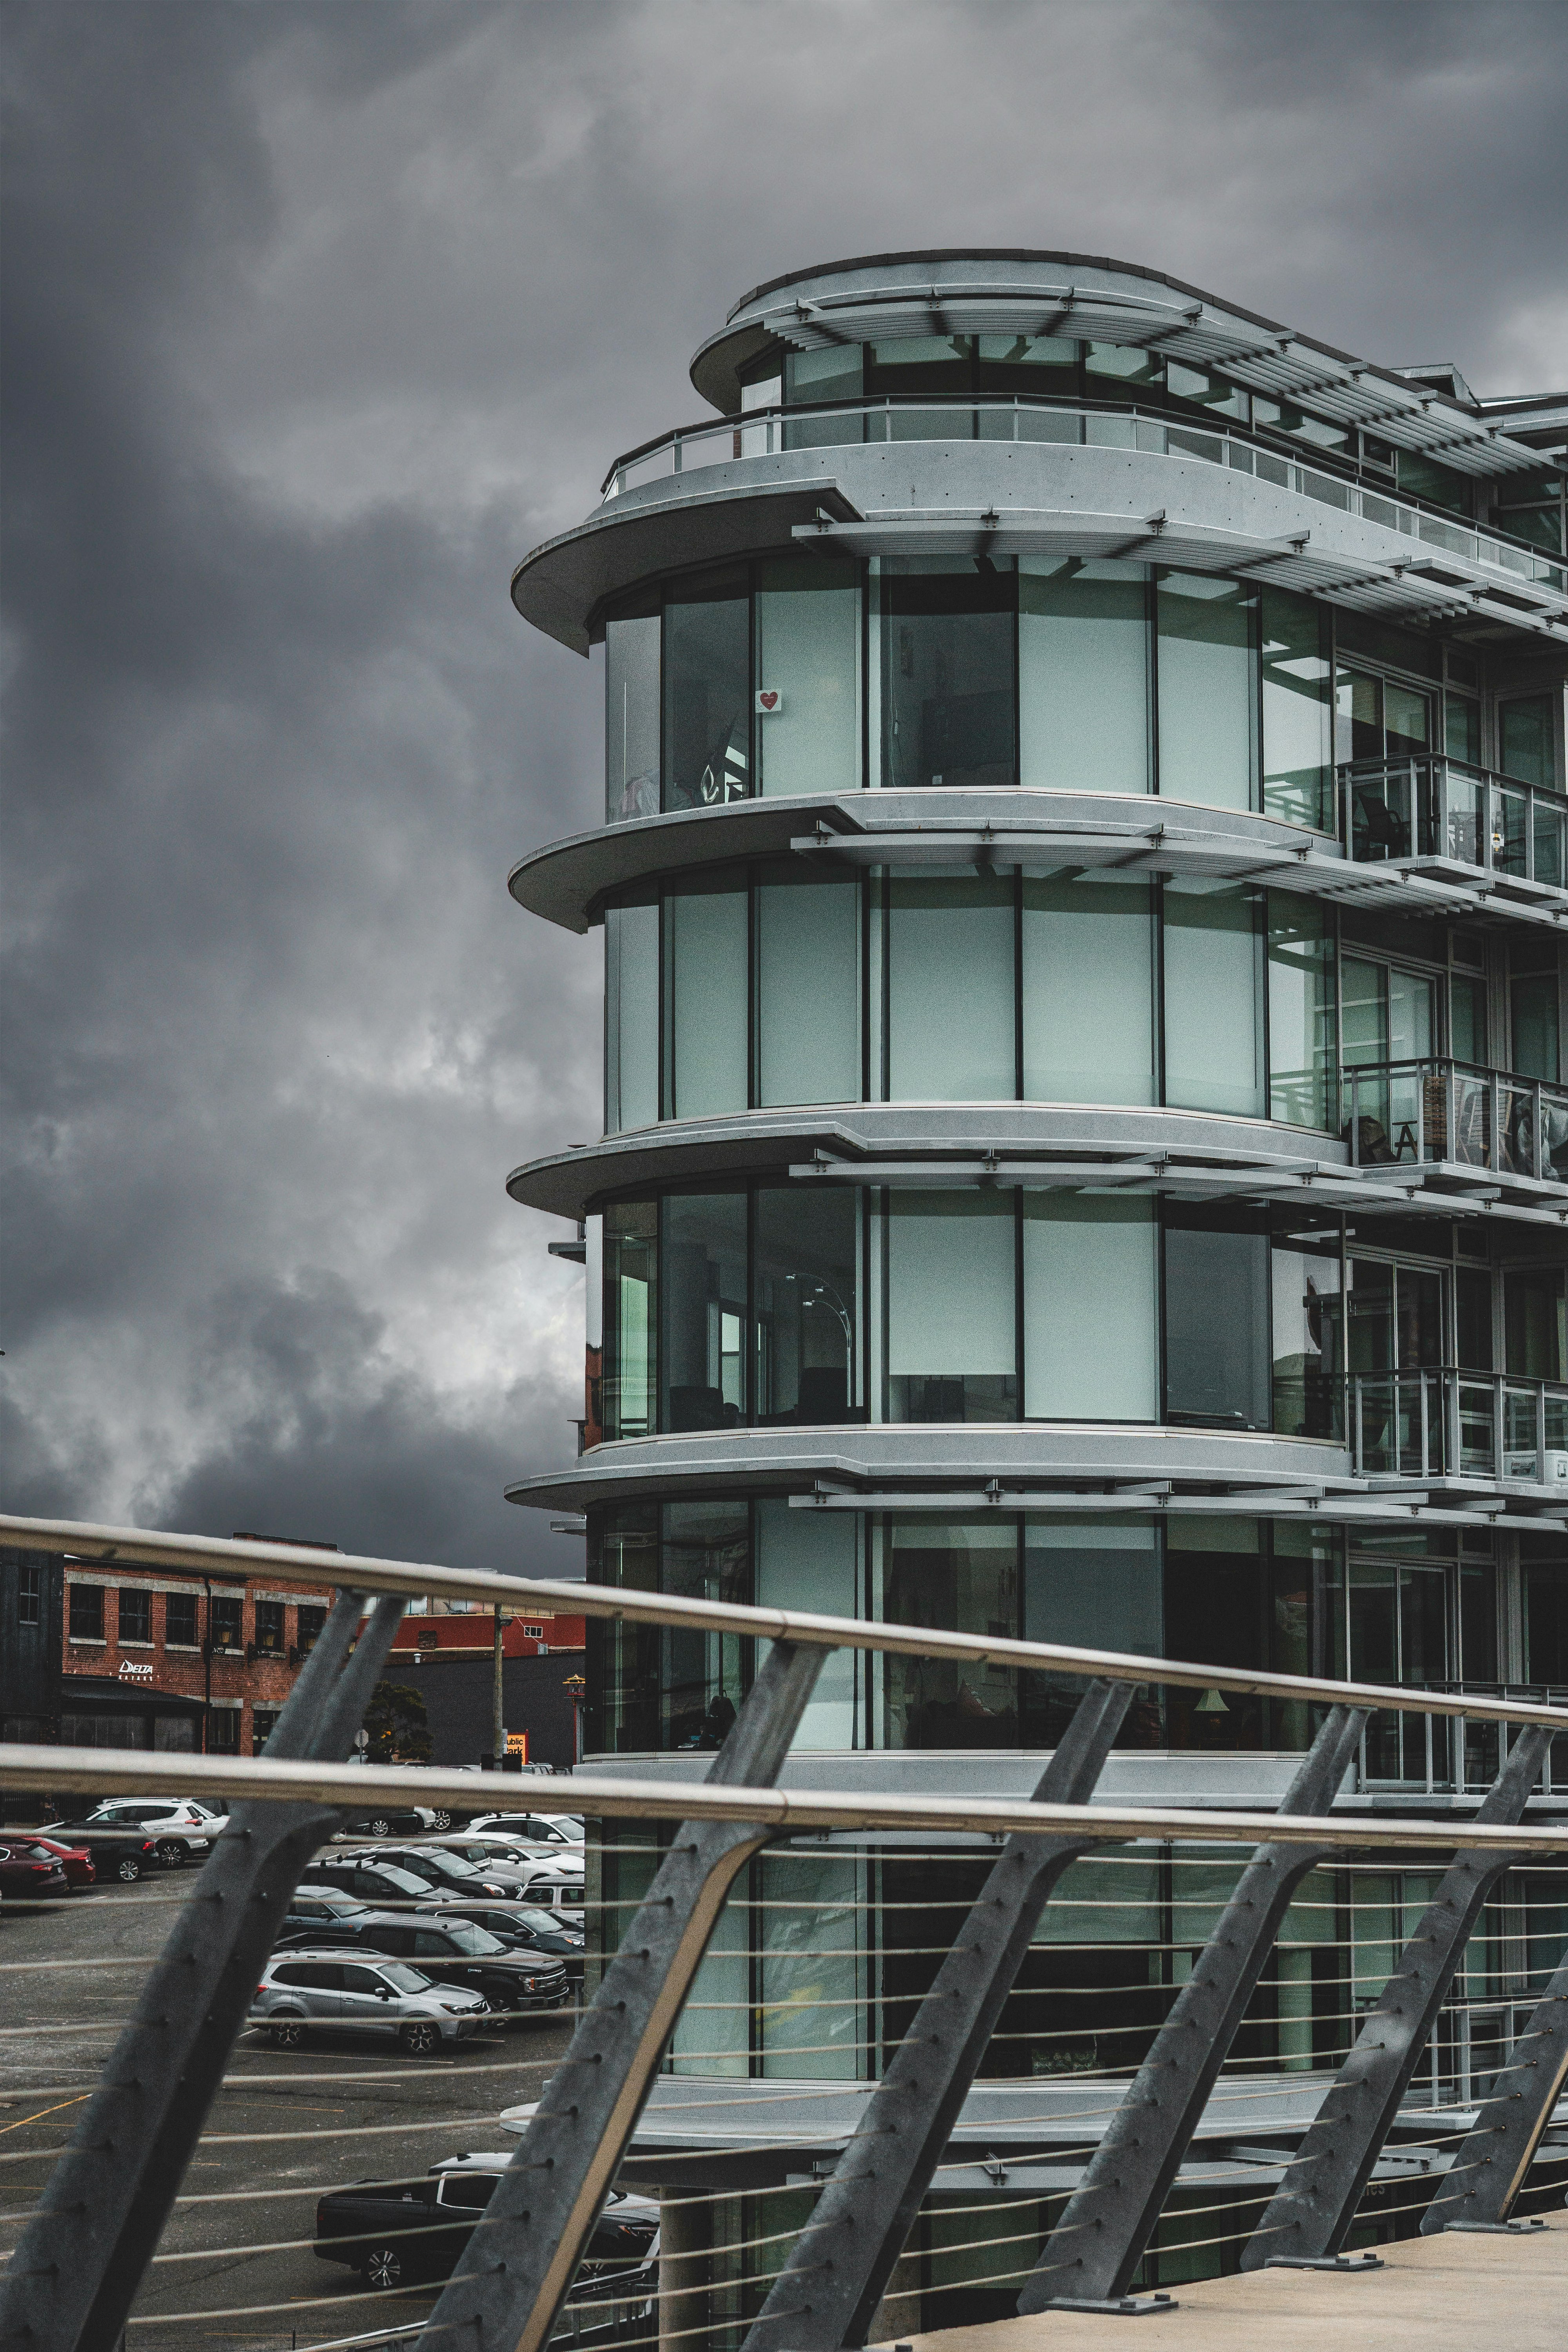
<point>1092,2255</point>
<point>833,2279</point>
<point>80,2260</point>
<point>1493,2163</point>
<point>514,2274</point>
<point>1309,2215</point>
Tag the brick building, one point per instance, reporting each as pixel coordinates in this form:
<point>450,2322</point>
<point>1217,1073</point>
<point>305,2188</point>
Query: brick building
<point>448,1654</point>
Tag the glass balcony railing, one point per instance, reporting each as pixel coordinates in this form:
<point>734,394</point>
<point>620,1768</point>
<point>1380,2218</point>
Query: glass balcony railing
<point>1436,1751</point>
<point>1434,1110</point>
<point>762,432</point>
<point>1430,807</point>
<point>1442,1421</point>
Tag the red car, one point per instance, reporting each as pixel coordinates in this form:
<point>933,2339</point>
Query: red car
<point>26,1869</point>
<point>75,1861</point>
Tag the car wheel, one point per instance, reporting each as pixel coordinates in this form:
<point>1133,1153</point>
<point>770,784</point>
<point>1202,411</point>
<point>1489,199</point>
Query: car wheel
<point>171,1852</point>
<point>128,1870</point>
<point>383,2266</point>
<point>288,2032</point>
<point>441,1820</point>
<point>419,2040</point>
<point>380,1827</point>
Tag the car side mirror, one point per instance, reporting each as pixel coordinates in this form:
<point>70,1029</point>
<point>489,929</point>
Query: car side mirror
<point>383,1992</point>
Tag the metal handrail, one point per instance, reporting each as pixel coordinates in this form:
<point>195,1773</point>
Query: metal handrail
<point>1433,1108</point>
<point>1426,805</point>
<point>1151,431</point>
<point>354,1574</point>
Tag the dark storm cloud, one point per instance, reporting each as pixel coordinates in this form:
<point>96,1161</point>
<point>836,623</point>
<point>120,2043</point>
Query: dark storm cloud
<point>316,318</point>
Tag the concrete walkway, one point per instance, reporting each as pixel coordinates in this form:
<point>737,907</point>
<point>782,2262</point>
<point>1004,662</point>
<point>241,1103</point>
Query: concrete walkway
<point>1437,2295</point>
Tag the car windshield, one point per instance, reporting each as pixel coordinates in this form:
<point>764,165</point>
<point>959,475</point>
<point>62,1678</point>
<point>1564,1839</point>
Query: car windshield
<point>542,1923</point>
<point>335,1906</point>
<point>470,1938</point>
<point>402,1977</point>
<point>448,1865</point>
<point>403,1880</point>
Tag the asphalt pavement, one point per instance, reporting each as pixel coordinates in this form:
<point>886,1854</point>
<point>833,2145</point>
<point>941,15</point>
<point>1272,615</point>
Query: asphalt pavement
<point>287,2125</point>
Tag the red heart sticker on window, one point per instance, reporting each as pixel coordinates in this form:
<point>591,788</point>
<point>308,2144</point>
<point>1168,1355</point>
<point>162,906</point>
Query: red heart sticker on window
<point>768,701</point>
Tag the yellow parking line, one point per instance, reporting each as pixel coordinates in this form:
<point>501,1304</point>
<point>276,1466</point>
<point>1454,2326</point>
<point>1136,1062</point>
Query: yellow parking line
<point>43,2112</point>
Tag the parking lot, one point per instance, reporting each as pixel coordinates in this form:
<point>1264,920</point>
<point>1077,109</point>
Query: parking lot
<point>288,2126</point>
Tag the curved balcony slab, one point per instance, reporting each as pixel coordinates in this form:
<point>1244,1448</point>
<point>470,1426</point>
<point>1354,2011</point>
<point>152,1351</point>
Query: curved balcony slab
<point>567,881</point>
<point>921,1460</point>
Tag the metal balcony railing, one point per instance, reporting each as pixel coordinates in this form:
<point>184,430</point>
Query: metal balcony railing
<point>83,2250</point>
<point>765,432</point>
<point>1429,806</point>
<point>1432,1109</point>
<point>1442,1421</point>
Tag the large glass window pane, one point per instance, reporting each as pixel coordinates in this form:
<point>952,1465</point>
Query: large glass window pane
<point>1213,1000</point>
<point>702,1363</point>
<point>951,1307</point>
<point>951,987</point>
<point>631,717</point>
<point>707,692</point>
<point>1358,715</point>
<point>1462,729</point>
<point>808,648</point>
<point>947,684</point>
<point>964,1579</point>
<point>1300,1011</point>
<point>1094,1584</point>
<point>1091,1332</point>
<point>1214,1611</point>
<point>913,367</point>
<point>1298,781</point>
<point>1534,1333</point>
<point>1407,721</point>
<point>808,989</point>
<point>1122,369</point>
<point>818,378</point>
<point>707,1556</point>
<point>813,1968</point>
<point>1083,676</point>
<point>809,1560</point>
<point>1306,1321</point>
<point>631,1017</point>
<point>1206,696</point>
<point>630,1318</point>
<point>1218,1370</point>
<point>805,1304</point>
<point>1088,989</point>
<point>1026,365</point>
<point>706,973</point>
<point>1534,997</point>
<point>1524,741</point>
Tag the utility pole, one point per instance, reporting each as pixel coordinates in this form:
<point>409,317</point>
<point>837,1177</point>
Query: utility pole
<point>498,1704</point>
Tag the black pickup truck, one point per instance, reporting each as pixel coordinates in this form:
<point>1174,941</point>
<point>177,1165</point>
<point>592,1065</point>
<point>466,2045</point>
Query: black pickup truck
<point>392,2231</point>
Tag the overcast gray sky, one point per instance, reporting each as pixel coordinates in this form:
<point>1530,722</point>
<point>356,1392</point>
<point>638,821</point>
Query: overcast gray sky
<point>317,318</point>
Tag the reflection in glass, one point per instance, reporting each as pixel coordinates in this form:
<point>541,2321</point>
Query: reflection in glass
<point>1092,1584</point>
<point>1087,954</point>
<point>706,973</point>
<point>1217,1363</point>
<point>951,988</point>
<point>810,1560</point>
<point>1206,693</point>
<point>813,1988</point>
<point>1083,675</point>
<point>808,988</point>
<point>702,1365</point>
<point>631,1016</point>
<point>805,1294</point>
<point>1214,973</point>
<point>1091,1309</point>
<point>947,672</point>
<point>631,1299</point>
<point>818,378</point>
<point>1297,782</point>
<point>1300,1011</point>
<point>707,1556</point>
<point>631,717</point>
<point>965,1578</point>
<point>623,1699</point>
<point>707,692</point>
<point>1307,1338</point>
<point>808,640</point>
<point>952,1334</point>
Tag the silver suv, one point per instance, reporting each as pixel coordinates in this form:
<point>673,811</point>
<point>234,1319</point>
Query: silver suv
<point>335,1991</point>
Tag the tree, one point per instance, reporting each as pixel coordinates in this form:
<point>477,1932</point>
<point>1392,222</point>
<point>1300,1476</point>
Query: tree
<point>398,1726</point>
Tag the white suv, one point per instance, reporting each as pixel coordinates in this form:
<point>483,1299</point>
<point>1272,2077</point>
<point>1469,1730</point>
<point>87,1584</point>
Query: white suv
<point>182,1832</point>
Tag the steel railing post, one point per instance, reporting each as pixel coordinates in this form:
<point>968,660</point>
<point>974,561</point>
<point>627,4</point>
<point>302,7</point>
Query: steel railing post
<point>838,2272</point>
<point>72,2277</point>
<point>1494,2161</point>
<point>1309,2215</point>
<point>506,2293</point>
<point>1092,2254</point>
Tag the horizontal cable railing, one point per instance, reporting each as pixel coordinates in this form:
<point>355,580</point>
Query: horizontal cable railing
<point>767,432</point>
<point>1425,805</point>
<point>1431,1109</point>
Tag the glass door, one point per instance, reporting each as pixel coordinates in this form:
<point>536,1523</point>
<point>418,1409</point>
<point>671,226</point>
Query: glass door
<point>1394,1348</point>
<point>1384,730</point>
<point>1399,1633</point>
<point>1388,1030</point>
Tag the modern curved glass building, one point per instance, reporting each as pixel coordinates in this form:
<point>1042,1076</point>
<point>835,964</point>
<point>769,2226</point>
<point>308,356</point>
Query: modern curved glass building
<point>1084,874</point>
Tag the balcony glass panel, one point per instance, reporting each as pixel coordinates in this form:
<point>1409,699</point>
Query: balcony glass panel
<point>1214,1028</point>
<point>1083,676</point>
<point>631,717</point>
<point>807,703</point>
<point>951,1307</point>
<point>805,1306</point>
<point>1300,1010</point>
<point>951,988</point>
<point>1090,1272</point>
<point>707,970</point>
<point>631,1016</point>
<point>1218,1372</point>
<point>808,989</point>
<point>1298,780</point>
<point>1208,698</point>
<point>947,672</point>
<point>708,691</point>
<point>631,1317</point>
<point>1088,959</point>
<point>965,1578</point>
<point>702,1363</point>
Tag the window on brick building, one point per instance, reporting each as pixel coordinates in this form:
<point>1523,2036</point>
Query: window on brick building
<point>227,1623</point>
<point>263,1723</point>
<point>310,1623</point>
<point>135,1614</point>
<point>222,1732</point>
<point>270,1626</point>
<point>86,1612</point>
<point>180,1619</point>
<point>30,1595</point>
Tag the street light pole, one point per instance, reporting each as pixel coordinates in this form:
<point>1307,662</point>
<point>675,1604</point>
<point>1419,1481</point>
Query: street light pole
<point>498,1706</point>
